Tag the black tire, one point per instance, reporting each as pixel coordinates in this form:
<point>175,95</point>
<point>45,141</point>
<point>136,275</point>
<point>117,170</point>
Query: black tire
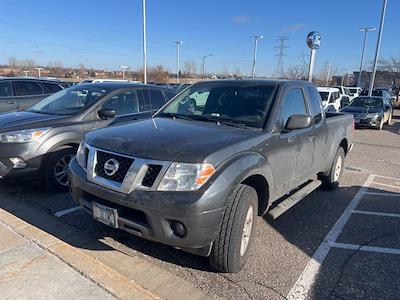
<point>52,167</point>
<point>331,181</point>
<point>226,253</point>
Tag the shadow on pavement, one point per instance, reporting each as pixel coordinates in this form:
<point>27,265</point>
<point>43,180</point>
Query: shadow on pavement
<point>303,227</point>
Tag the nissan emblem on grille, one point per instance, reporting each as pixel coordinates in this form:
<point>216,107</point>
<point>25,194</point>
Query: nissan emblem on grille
<point>111,167</point>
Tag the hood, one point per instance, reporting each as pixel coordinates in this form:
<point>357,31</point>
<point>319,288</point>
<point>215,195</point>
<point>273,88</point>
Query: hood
<point>27,120</point>
<point>362,110</point>
<point>169,139</point>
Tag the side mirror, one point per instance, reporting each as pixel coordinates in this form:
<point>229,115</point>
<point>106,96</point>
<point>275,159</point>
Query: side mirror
<point>298,122</point>
<point>106,113</point>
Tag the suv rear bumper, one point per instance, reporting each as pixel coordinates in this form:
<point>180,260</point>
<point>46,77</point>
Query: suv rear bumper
<point>150,214</point>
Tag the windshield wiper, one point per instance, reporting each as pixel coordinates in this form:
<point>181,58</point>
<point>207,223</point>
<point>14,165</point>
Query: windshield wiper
<point>175,116</point>
<point>218,121</point>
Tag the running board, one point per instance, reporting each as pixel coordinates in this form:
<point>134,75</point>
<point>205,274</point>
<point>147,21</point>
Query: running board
<point>292,200</point>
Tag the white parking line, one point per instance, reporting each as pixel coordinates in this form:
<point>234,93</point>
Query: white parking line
<point>366,248</point>
<point>387,185</point>
<point>307,278</point>
<point>387,177</point>
<point>383,194</point>
<point>375,213</point>
<point>66,211</point>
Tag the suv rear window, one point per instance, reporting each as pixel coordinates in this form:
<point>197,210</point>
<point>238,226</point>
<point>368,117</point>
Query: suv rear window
<point>27,88</point>
<point>5,89</point>
<point>51,87</point>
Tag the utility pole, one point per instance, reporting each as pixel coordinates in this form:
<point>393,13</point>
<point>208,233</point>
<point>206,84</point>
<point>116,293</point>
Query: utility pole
<point>378,46</point>
<point>39,69</point>
<point>123,71</point>
<point>328,71</point>
<point>144,42</point>
<point>279,68</point>
<point>256,38</point>
<point>365,30</point>
<point>204,62</point>
<point>178,43</point>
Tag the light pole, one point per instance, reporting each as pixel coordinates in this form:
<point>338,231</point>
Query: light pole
<point>204,62</point>
<point>26,73</point>
<point>123,71</point>
<point>365,30</point>
<point>39,69</point>
<point>144,43</point>
<point>178,43</point>
<point>256,38</point>
<point>378,46</point>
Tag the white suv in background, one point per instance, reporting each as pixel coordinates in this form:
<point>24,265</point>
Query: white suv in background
<point>331,98</point>
<point>355,91</point>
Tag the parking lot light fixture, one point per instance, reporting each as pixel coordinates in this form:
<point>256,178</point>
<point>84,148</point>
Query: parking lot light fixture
<point>26,73</point>
<point>178,43</point>
<point>144,42</point>
<point>39,69</point>
<point>378,46</point>
<point>365,30</point>
<point>123,71</point>
<point>204,62</point>
<point>256,38</point>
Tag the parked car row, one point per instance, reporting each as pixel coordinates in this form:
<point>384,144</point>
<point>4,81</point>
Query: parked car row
<point>41,140</point>
<point>22,92</point>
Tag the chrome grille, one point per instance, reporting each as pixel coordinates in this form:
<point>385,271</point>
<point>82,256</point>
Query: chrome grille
<point>124,165</point>
<point>133,173</point>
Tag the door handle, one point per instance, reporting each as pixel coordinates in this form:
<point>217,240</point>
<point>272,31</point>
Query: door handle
<point>10,102</point>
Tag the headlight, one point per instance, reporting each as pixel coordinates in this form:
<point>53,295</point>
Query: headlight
<point>185,177</point>
<point>80,155</point>
<point>373,115</point>
<point>23,136</point>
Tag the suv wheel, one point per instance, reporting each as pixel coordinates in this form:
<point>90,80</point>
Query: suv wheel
<point>56,169</point>
<point>331,181</point>
<point>231,248</point>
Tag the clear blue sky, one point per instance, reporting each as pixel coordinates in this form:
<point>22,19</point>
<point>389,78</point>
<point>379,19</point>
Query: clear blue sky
<point>107,34</point>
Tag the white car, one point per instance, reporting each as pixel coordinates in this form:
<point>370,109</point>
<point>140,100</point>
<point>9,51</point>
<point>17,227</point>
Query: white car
<point>355,91</point>
<point>331,99</point>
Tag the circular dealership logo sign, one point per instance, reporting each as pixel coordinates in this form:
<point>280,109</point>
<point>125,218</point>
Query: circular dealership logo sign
<point>111,167</point>
<point>314,40</point>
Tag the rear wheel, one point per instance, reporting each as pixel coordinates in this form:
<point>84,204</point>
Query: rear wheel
<point>331,181</point>
<point>231,248</point>
<point>56,169</point>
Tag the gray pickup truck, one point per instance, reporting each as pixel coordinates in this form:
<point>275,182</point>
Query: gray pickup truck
<point>197,174</point>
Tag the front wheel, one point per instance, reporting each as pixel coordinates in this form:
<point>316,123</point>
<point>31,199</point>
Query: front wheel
<point>56,169</point>
<point>231,248</point>
<point>331,181</point>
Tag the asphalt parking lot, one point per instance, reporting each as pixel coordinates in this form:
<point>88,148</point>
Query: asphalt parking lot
<point>342,244</point>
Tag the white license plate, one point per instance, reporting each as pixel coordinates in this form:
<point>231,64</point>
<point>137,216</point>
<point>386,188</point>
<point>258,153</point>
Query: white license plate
<point>106,215</point>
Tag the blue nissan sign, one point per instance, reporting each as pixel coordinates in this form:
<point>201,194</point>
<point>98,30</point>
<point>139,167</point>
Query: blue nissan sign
<point>314,40</point>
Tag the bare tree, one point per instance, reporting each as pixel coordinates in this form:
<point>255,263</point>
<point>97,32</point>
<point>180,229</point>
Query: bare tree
<point>391,66</point>
<point>190,67</point>
<point>56,68</point>
<point>296,72</point>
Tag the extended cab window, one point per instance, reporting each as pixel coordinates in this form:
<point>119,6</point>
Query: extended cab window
<point>51,87</point>
<point>123,103</point>
<point>156,99</point>
<point>5,89</point>
<point>315,102</point>
<point>28,88</point>
<point>293,104</point>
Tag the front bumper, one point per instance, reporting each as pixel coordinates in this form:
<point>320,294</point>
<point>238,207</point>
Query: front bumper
<point>25,153</point>
<point>368,122</point>
<point>149,214</point>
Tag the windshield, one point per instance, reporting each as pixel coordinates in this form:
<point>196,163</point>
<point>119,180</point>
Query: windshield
<point>69,101</point>
<point>366,102</point>
<point>324,96</point>
<point>240,105</point>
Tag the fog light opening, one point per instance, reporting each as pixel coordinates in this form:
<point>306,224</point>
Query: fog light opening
<point>18,163</point>
<point>178,229</point>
